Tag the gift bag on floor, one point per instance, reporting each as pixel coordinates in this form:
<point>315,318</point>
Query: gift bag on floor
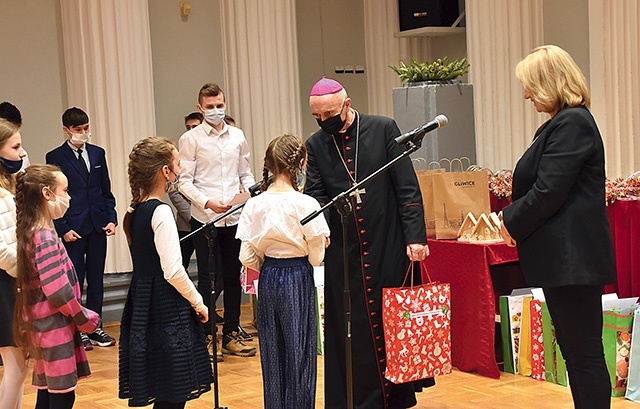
<point>510,322</point>
<point>616,339</point>
<point>417,334</point>
<point>633,381</point>
<point>454,195</point>
<point>554,364</point>
<point>319,297</point>
<point>248,276</point>
<point>524,356</point>
<point>537,349</point>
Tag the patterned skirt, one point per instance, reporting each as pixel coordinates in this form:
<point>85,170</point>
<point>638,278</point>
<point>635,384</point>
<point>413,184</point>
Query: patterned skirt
<point>163,352</point>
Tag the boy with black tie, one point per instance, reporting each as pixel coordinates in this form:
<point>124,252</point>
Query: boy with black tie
<point>91,216</point>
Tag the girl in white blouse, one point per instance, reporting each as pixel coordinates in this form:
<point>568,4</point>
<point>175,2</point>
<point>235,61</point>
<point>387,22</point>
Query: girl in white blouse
<point>276,244</point>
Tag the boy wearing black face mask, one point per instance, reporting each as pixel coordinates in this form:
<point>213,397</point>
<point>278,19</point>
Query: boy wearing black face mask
<point>91,216</point>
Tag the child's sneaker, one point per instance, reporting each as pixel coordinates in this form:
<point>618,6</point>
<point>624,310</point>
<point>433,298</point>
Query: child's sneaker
<point>101,338</point>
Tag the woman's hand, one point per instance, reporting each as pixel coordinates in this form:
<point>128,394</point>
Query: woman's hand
<point>509,241</point>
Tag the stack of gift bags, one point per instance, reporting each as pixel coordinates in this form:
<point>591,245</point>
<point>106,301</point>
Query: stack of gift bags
<point>530,347</point>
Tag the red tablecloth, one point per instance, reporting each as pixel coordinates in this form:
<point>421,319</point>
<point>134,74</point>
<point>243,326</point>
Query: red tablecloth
<point>498,203</point>
<point>624,218</point>
<point>466,266</point>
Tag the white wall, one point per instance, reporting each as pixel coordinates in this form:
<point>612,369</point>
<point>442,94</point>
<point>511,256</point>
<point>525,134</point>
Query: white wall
<point>187,52</point>
<point>32,76</point>
<point>330,33</point>
<point>558,15</point>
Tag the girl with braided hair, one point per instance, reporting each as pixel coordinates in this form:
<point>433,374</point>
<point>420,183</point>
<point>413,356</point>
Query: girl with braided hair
<point>163,353</point>
<point>48,315</point>
<point>276,244</point>
<point>13,358</point>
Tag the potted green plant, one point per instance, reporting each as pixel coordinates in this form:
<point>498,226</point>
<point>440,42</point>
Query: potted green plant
<point>431,89</point>
<point>441,71</point>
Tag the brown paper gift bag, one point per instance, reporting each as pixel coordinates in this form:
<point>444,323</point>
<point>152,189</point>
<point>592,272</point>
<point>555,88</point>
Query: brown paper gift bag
<point>454,195</point>
<point>426,188</point>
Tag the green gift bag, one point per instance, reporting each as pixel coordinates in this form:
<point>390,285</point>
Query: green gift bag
<point>510,323</point>
<point>555,367</point>
<point>616,339</point>
<point>320,318</point>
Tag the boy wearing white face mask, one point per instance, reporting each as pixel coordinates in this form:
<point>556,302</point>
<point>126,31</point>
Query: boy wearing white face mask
<point>215,162</point>
<point>91,216</point>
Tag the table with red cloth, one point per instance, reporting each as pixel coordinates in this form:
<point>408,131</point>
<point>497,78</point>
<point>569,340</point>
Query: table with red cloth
<point>479,273</point>
<point>624,218</point>
<point>468,268</point>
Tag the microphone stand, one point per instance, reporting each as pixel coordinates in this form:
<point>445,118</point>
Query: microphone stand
<point>210,233</point>
<point>343,206</point>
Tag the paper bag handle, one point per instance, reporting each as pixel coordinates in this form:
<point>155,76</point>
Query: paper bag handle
<point>427,271</point>
<point>418,161</point>
<point>410,271</point>
<point>433,162</point>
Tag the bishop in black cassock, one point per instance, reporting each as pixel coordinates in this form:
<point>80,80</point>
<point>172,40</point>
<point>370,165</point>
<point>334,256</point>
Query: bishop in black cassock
<point>385,230</point>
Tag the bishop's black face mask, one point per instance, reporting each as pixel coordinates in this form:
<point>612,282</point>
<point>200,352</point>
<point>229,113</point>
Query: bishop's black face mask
<point>334,124</point>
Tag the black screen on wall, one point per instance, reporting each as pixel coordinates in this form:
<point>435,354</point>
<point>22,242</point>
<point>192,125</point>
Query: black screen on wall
<point>427,13</point>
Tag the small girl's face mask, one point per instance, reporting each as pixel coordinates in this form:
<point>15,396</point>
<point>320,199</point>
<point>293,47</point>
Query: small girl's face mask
<point>59,206</point>
<point>172,185</point>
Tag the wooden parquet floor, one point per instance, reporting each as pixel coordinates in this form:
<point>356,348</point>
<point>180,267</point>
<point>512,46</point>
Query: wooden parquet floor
<point>241,386</point>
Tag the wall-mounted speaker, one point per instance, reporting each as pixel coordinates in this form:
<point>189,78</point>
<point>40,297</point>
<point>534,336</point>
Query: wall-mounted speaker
<point>427,13</point>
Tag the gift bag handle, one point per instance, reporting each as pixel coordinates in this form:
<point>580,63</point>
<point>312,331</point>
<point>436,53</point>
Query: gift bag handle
<point>417,162</point>
<point>446,161</point>
<point>410,270</point>
<point>433,162</point>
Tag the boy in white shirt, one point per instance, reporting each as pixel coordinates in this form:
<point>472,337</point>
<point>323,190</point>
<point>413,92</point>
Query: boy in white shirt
<point>215,162</point>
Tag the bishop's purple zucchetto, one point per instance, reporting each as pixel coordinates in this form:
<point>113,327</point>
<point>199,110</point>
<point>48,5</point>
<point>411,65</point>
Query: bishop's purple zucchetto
<point>326,86</point>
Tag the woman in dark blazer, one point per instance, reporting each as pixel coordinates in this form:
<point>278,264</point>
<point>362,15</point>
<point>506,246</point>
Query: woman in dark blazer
<point>558,217</point>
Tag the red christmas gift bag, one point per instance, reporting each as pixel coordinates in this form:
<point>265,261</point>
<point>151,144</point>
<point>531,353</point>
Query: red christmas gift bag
<point>248,277</point>
<point>537,350</point>
<point>417,334</point>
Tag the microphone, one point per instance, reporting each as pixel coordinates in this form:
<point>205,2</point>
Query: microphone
<point>419,132</point>
<point>255,189</point>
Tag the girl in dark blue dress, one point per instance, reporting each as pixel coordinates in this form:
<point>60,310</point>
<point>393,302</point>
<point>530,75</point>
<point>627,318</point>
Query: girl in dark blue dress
<point>163,353</point>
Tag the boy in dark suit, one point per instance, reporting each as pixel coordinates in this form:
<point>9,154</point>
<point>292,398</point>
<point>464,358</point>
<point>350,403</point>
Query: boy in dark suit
<point>91,216</point>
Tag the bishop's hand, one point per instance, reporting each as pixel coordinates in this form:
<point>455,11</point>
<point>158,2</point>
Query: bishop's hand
<point>417,251</point>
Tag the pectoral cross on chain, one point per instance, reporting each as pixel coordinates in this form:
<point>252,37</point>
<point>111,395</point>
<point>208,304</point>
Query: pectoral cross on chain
<point>357,194</point>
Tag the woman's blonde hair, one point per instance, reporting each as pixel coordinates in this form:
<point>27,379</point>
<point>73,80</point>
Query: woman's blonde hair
<point>7,130</point>
<point>553,78</point>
